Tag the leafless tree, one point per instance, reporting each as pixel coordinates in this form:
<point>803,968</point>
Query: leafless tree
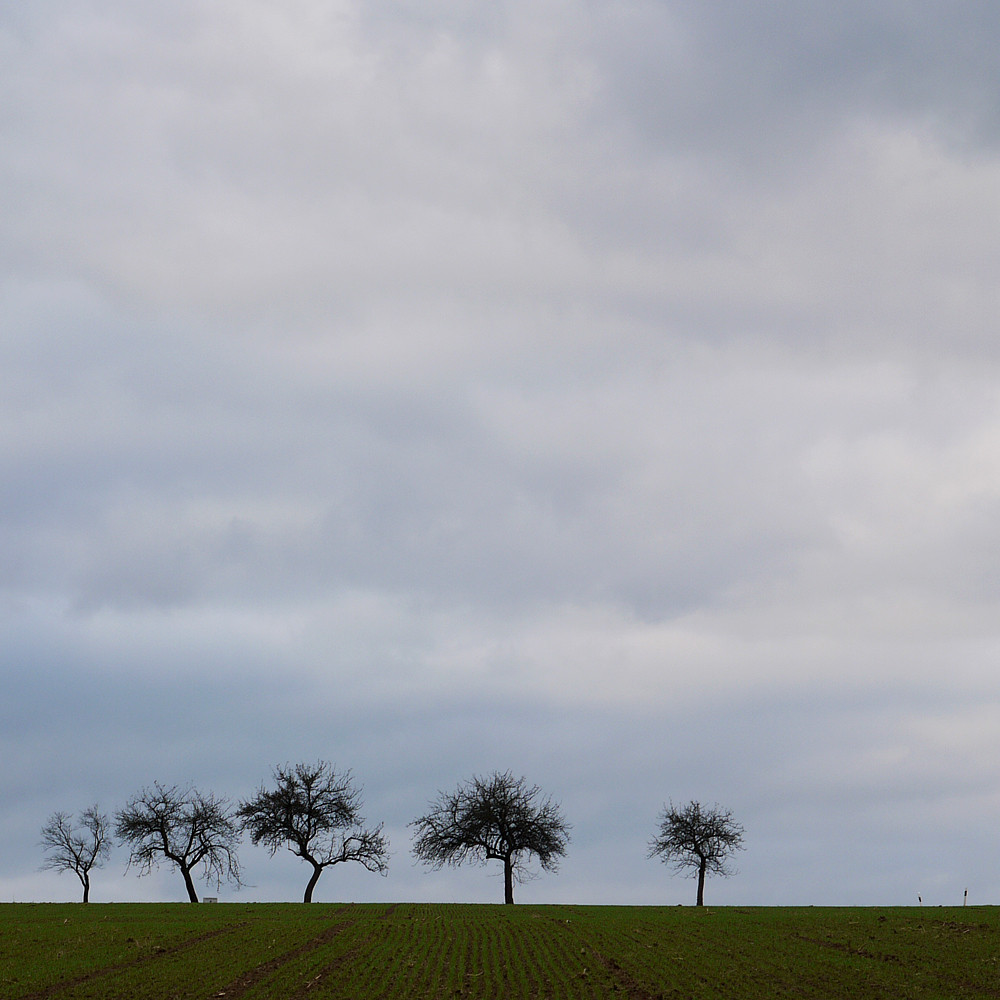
<point>77,849</point>
<point>697,839</point>
<point>184,827</point>
<point>499,818</point>
<point>315,811</point>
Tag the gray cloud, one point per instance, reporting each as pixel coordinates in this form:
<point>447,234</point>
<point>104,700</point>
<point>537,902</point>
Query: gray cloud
<point>755,85</point>
<point>608,397</point>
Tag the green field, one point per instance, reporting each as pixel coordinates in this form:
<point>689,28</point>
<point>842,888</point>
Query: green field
<point>269,950</point>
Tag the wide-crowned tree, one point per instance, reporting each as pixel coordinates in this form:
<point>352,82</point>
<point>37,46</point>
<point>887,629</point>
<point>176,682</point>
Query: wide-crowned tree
<point>77,849</point>
<point>496,818</point>
<point>185,828</point>
<point>315,811</point>
<point>697,839</point>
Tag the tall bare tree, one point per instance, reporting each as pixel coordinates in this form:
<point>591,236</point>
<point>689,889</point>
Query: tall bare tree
<point>184,827</point>
<point>498,818</point>
<point>77,849</point>
<point>697,839</point>
<point>315,811</point>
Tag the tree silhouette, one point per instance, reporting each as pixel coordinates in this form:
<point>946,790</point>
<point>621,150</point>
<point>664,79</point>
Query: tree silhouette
<point>316,812</point>
<point>697,839</point>
<point>184,827</point>
<point>499,818</point>
<point>78,850</point>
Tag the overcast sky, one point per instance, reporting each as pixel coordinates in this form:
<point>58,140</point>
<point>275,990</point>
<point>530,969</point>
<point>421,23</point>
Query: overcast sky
<point>607,392</point>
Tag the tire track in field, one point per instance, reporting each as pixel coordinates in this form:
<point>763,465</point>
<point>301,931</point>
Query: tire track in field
<point>631,986</point>
<point>245,982</point>
<point>340,961</point>
<point>158,953</point>
<point>849,949</point>
<point>948,980</point>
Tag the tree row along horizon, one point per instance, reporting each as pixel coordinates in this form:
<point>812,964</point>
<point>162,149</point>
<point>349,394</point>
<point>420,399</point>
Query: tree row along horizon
<point>314,811</point>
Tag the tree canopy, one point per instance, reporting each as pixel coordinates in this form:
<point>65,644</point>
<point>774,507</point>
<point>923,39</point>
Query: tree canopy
<point>499,818</point>
<point>184,827</point>
<point>315,811</point>
<point>697,839</point>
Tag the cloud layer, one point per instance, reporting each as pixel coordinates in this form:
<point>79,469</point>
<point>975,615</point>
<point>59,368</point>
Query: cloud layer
<point>609,395</point>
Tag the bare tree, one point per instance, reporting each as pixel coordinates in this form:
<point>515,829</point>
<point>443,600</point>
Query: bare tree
<point>184,827</point>
<point>499,818</point>
<point>73,849</point>
<point>316,812</point>
<point>693,838</point>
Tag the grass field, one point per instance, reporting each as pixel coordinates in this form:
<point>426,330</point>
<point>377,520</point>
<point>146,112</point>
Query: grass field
<point>270,950</point>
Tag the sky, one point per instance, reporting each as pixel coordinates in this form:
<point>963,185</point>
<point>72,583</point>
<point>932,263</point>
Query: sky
<point>605,392</point>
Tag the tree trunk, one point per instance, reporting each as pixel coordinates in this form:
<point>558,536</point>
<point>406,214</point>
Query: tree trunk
<point>508,881</point>
<point>85,879</point>
<point>189,884</point>
<point>314,878</point>
<point>701,884</point>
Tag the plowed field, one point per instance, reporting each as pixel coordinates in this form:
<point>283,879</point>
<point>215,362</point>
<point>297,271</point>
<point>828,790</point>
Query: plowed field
<point>411,950</point>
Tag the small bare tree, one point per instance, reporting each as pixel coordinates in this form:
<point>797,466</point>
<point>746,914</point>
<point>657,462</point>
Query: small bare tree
<point>499,818</point>
<point>184,827</point>
<point>693,838</point>
<point>77,849</point>
<point>316,812</point>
